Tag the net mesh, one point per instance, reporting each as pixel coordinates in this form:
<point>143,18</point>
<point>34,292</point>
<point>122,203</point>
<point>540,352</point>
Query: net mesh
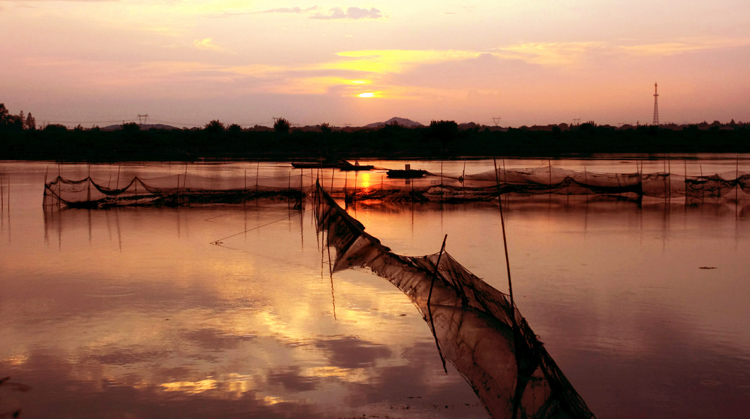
<point>142,189</point>
<point>475,326</point>
<point>486,186</point>
<point>174,190</point>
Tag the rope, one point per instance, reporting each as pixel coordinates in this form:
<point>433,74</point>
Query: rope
<point>219,241</point>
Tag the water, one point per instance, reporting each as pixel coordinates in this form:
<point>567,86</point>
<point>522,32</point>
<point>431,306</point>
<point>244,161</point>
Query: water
<point>135,313</point>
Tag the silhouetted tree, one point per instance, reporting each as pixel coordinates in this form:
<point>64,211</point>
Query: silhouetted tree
<point>130,127</point>
<point>443,130</point>
<point>325,128</point>
<point>55,128</point>
<point>9,122</point>
<point>281,126</point>
<point>234,128</point>
<point>30,122</point>
<point>214,126</point>
<point>390,129</point>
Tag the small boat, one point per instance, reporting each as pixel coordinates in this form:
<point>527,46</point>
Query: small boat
<point>316,164</point>
<point>406,173</point>
<point>348,167</point>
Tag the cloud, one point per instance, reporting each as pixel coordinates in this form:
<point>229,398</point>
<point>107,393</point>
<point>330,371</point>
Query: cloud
<point>293,10</point>
<point>207,44</point>
<point>353,13</point>
<point>70,1</point>
<point>336,13</point>
<point>550,53</point>
<point>684,46</point>
<point>392,61</point>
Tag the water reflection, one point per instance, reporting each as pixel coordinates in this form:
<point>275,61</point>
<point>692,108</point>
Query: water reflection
<point>134,311</point>
<point>477,328</point>
<point>150,313</point>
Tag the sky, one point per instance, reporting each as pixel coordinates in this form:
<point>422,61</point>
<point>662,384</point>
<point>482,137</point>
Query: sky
<point>527,62</point>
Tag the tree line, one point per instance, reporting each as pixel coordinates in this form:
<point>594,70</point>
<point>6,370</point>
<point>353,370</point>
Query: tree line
<point>20,139</point>
<point>10,122</point>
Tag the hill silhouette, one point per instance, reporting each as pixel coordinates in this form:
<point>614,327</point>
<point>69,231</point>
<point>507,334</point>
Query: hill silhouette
<point>142,126</point>
<point>403,122</point>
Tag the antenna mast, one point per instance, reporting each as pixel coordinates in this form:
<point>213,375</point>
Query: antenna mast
<point>656,106</point>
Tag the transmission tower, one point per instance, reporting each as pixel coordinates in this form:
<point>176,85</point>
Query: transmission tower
<point>496,120</point>
<point>656,106</point>
<point>142,118</point>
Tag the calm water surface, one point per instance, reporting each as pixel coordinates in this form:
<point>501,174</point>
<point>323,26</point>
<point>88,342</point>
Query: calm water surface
<point>134,312</point>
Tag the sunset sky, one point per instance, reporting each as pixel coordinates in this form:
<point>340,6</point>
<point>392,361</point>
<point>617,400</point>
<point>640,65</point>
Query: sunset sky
<point>526,61</point>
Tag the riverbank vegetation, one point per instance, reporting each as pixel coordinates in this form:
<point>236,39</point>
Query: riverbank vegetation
<point>441,139</point>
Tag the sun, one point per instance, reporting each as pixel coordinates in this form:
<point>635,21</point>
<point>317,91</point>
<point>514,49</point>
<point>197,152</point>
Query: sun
<point>368,94</point>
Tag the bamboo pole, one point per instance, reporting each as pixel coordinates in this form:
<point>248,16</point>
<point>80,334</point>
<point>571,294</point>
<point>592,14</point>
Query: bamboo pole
<point>505,241</point>
<point>737,187</point>
<point>686,179</point>
<point>737,179</point>
<point>429,297</point>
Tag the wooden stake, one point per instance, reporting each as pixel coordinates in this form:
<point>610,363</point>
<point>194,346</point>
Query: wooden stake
<point>429,297</point>
<point>505,242</point>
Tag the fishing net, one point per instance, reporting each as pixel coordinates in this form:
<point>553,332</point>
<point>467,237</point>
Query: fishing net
<point>556,181</point>
<point>282,182</point>
<point>475,326</point>
<point>173,190</point>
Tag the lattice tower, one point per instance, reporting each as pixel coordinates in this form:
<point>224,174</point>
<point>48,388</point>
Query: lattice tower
<point>656,105</point>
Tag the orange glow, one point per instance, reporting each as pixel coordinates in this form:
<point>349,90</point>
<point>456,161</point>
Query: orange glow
<point>365,183</point>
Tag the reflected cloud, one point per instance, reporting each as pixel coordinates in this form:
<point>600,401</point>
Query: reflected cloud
<point>350,352</point>
<point>292,379</point>
<point>215,340</point>
<point>118,355</point>
<point>190,386</point>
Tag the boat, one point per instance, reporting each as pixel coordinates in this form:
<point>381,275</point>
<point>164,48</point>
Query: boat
<point>322,164</point>
<point>406,173</point>
<point>476,327</point>
<point>345,166</point>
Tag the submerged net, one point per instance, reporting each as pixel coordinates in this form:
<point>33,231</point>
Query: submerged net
<point>558,181</point>
<point>284,182</point>
<point>172,191</point>
<point>475,326</point>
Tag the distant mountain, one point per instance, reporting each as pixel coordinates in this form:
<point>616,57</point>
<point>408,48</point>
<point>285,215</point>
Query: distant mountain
<point>144,127</point>
<point>407,123</point>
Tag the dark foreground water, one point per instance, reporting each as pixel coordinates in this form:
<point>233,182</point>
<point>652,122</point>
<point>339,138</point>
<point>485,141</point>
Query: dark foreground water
<point>134,312</point>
